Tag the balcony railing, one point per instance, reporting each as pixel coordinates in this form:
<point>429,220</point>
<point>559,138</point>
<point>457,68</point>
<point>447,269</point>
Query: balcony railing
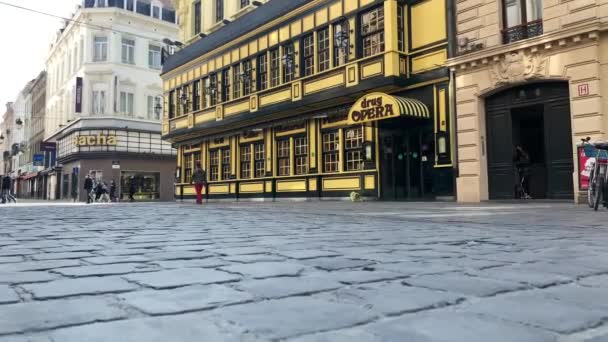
<point>523,31</point>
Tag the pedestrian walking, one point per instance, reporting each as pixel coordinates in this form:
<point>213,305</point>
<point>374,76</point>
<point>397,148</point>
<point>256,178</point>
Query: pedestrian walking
<point>522,161</point>
<point>113,191</point>
<point>6,190</point>
<point>199,178</point>
<point>88,188</point>
<point>132,189</point>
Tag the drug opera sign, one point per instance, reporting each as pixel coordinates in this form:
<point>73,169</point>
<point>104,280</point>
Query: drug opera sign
<point>379,106</point>
<point>95,140</point>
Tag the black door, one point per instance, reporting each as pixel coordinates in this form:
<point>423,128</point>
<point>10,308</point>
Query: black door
<point>537,117</point>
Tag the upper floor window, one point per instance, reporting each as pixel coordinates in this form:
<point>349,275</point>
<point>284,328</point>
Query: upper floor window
<point>308,55</point>
<point>127,103</point>
<point>172,104</point>
<point>99,102</point>
<point>197,17</point>
<point>219,10</point>
<point>152,112</point>
<point>400,29</point>
<point>100,53</point>
<point>196,96</point>
<point>130,5</point>
<point>372,31</point>
<point>288,63</point>
<point>154,53</point>
<point>101,3</point>
<point>128,51</point>
<point>246,77</point>
<point>213,93</point>
<point>274,68</point>
<point>155,11</point>
<point>522,19</point>
<point>236,80</point>
<point>341,43</point>
<point>323,49</point>
<point>263,72</point>
<point>226,85</point>
<point>244,3</point>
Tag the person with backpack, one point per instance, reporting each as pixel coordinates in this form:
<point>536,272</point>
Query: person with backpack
<point>88,188</point>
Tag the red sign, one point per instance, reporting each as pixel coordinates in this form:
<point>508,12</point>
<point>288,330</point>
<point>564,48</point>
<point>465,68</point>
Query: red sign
<point>583,89</point>
<point>585,165</point>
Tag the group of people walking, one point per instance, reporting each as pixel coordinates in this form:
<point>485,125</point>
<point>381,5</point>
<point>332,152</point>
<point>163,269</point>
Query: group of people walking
<point>5,194</point>
<point>98,191</point>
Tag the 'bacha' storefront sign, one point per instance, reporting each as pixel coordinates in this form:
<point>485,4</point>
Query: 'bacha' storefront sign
<point>380,106</point>
<point>95,140</point>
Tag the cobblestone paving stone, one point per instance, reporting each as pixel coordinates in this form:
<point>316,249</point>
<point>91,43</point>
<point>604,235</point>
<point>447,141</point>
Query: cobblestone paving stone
<point>304,272</point>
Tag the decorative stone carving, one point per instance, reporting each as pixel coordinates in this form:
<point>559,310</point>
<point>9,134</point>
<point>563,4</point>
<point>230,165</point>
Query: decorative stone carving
<point>518,66</point>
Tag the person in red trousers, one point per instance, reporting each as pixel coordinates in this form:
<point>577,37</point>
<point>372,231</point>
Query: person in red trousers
<point>199,178</point>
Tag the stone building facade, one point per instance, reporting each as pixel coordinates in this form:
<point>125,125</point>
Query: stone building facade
<point>528,73</point>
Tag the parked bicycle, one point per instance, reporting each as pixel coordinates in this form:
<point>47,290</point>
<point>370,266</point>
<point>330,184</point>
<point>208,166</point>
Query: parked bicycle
<point>598,177</point>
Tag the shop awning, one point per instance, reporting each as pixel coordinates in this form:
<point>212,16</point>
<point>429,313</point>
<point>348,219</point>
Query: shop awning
<point>380,106</point>
<point>29,176</point>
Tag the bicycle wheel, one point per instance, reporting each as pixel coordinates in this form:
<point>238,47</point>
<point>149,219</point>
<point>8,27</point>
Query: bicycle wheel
<point>591,190</point>
<point>599,187</point>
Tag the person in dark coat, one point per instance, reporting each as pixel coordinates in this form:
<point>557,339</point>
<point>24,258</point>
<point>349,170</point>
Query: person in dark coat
<point>113,191</point>
<point>88,187</point>
<point>199,178</point>
<point>6,190</point>
<point>522,162</point>
<point>132,189</point>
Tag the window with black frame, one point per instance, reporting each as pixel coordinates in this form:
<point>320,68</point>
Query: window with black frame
<point>300,155</point>
<point>323,49</point>
<point>205,92</point>
<point>341,43</point>
<point>308,55</point>
<point>226,169</point>
<point>259,163</point>
<point>245,161</point>
<point>331,151</point>
<point>274,67</point>
<point>196,96</point>
<point>188,160</point>
<point>214,165</point>
<point>247,77</point>
<point>400,29</point>
<point>172,104</point>
<point>353,145</point>
<point>372,31</point>
<point>197,17</point>
<point>226,85</point>
<point>522,19</point>
<point>245,3</point>
<point>289,65</point>
<point>219,10</point>
<point>262,72</point>
<point>213,91</point>
<point>236,75</point>
<point>283,155</point>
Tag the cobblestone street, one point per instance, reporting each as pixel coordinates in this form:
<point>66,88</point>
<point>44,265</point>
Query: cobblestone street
<point>303,272</point>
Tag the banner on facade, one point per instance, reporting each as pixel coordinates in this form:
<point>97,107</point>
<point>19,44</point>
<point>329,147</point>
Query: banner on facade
<point>586,161</point>
<point>48,146</point>
<point>38,159</point>
<point>78,95</point>
<point>380,106</point>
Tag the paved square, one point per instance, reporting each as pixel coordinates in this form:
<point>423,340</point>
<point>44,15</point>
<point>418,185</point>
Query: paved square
<point>303,272</point>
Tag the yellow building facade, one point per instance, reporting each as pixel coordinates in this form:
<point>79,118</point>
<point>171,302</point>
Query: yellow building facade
<point>314,99</point>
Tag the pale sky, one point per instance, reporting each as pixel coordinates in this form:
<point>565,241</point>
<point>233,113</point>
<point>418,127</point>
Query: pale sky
<point>25,38</point>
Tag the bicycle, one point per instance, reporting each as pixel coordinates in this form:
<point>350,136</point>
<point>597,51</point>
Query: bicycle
<point>598,176</point>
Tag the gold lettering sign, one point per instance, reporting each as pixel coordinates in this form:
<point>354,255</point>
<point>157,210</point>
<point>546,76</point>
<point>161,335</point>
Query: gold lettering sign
<point>373,107</point>
<point>95,140</point>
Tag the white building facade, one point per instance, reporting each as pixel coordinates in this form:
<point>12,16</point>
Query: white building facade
<point>106,68</point>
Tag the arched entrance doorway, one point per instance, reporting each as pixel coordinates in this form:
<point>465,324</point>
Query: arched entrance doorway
<point>537,117</point>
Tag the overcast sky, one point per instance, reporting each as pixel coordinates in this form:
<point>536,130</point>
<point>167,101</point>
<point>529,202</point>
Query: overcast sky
<point>24,42</point>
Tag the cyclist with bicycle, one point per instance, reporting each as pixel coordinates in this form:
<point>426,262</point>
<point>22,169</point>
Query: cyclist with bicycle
<point>522,162</point>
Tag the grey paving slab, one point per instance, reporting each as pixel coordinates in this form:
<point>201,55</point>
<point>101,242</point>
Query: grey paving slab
<point>35,316</point>
<point>238,250</point>
<point>180,328</point>
<point>10,259</point>
<point>125,251</point>
<point>181,277</point>
<point>512,273</point>
<point>462,283</point>
<point>26,277</point>
<point>193,263</point>
<point>600,338</point>
<point>179,255</point>
<point>7,295</point>
<point>595,281</point>
<point>337,263</point>
<point>361,276</point>
<point>284,287</point>
<point>252,258</point>
<point>119,259</point>
<point>418,268</point>
<point>291,316</point>
<point>59,256</point>
<point>81,286</point>
<point>38,265</point>
<point>101,270</point>
<point>308,254</point>
<point>261,270</point>
<point>184,299</point>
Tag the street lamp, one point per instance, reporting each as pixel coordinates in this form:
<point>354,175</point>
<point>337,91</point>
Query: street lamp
<point>19,122</point>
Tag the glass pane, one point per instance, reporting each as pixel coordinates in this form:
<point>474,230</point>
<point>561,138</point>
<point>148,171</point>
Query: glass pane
<point>512,13</point>
<point>534,10</point>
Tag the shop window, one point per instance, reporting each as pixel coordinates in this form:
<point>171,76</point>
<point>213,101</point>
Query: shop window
<point>226,170</point>
<point>372,31</point>
<point>522,19</point>
<point>188,166</point>
<point>323,49</point>
<point>308,55</point>
<point>246,77</point>
<point>246,161</point>
<point>197,159</point>
<point>146,185</point>
<point>262,72</point>
<point>331,151</point>
<point>301,155</point>
<point>214,165</point>
<point>226,85</point>
<point>283,149</point>
<point>353,148</point>
<point>274,68</point>
<point>288,63</point>
<point>196,96</point>
<point>236,74</point>
<point>400,29</point>
<point>341,43</point>
<point>259,160</point>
